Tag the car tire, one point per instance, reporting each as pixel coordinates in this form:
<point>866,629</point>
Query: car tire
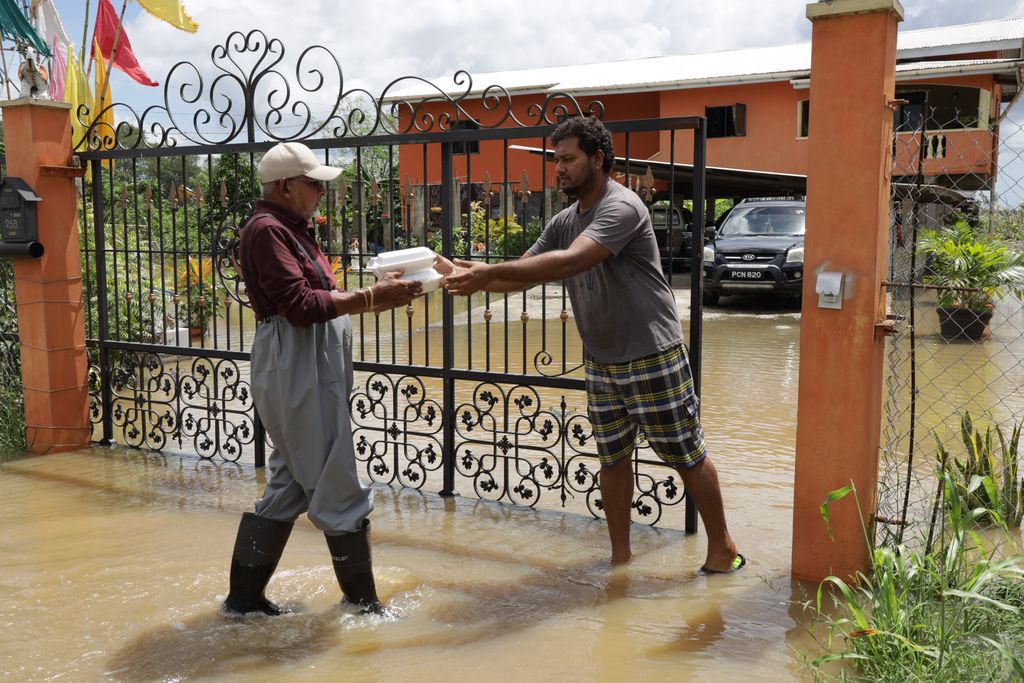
<point>710,298</point>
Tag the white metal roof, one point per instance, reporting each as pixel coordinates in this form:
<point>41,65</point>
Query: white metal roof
<point>911,71</point>
<point>751,65</point>
<point>1001,34</point>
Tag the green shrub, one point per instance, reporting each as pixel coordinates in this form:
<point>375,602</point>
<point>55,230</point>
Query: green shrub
<point>12,408</point>
<point>493,238</point>
<point>950,614</point>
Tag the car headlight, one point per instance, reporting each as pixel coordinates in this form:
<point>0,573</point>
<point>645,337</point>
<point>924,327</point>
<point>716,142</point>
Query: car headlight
<point>795,255</point>
<point>709,254</point>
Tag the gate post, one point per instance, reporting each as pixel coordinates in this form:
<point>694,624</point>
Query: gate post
<point>449,214</point>
<point>853,71</point>
<point>48,291</point>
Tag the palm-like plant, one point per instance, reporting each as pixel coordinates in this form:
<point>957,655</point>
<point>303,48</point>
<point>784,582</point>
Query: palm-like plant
<point>974,271</point>
<point>988,476</point>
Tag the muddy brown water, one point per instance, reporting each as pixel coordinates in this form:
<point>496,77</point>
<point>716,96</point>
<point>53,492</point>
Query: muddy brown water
<point>113,563</point>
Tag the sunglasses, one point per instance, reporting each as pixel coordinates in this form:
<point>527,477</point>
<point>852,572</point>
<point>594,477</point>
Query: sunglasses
<point>318,185</point>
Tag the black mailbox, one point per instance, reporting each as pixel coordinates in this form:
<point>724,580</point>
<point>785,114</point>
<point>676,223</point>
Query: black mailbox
<point>18,216</point>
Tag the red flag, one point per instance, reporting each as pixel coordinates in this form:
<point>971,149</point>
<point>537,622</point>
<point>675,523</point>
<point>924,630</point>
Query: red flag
<point>106,29</point>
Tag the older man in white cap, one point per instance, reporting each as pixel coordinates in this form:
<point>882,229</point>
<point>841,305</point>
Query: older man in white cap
<point>301,375</point>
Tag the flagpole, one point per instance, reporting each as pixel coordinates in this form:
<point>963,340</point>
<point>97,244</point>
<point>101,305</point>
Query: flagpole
<point>7,76</point>
<point>85,30</point>
<point>102,94</point>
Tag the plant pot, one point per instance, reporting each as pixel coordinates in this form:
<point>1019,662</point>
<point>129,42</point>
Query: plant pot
<point>198,331</point>
<point>962,323</point>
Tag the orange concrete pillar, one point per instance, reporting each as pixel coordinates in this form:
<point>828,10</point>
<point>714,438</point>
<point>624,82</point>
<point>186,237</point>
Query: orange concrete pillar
<point>48,291</point>
<point>853,71</point>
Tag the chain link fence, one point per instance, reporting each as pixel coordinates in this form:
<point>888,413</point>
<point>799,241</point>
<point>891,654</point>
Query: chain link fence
<point>955,361</point>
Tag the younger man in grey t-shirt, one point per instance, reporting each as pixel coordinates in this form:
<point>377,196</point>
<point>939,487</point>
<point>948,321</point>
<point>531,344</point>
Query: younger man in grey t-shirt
<point>637,374</point>
<point>625,293</point>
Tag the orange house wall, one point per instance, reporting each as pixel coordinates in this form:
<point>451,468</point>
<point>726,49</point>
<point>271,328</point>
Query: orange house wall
<point>491,161</point>
<point>770,143</point>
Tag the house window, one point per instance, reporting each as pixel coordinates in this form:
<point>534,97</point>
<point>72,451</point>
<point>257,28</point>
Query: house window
<point>948,108</point>
<point>726,122</point>
<point>803,113</point>
<point>467,146</point>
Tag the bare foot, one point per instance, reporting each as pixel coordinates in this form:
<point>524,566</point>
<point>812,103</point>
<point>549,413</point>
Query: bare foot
<point>619,561</point>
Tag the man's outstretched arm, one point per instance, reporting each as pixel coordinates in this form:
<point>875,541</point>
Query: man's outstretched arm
<point>447,268</point>
<point>470,276</point>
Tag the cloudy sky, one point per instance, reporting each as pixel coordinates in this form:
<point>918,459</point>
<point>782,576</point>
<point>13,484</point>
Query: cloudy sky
<point>376,41</point>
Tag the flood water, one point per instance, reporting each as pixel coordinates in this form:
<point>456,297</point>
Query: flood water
<point>114,561</point>
<point>114,564</point>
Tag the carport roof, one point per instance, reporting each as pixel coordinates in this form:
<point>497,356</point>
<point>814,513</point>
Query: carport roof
<point>736,183</point>
<point>719,181</point>
<point>753,65</point>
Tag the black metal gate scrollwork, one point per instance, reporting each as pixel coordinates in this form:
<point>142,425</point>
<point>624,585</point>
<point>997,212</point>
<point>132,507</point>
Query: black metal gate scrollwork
<point>488,399</point>
<point>397,429</point>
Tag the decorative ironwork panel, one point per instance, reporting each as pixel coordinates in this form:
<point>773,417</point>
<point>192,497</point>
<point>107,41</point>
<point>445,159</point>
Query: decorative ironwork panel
<point>244,94</point>
<point>514,443</point>
<point>200,404</point>
<point>397,429</point>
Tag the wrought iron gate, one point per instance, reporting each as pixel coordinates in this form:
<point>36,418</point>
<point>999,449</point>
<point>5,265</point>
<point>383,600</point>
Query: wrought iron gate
<point>483,393</point>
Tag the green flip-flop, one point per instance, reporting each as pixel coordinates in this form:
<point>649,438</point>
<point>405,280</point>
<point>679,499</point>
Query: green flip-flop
<point>738,563</point>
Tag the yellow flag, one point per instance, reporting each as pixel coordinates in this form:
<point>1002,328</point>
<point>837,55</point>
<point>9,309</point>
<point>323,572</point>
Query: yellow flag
<point>103,115</point>
<point>170,11</point>
<point>76,92</point>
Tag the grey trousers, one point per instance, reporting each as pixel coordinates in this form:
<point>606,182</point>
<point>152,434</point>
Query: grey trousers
<point>301,380</point>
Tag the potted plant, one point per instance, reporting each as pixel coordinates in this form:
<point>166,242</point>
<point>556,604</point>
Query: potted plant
<point>972,272</point>
<point>195,288</point>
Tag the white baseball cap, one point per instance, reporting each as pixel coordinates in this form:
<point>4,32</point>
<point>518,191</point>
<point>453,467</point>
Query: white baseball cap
<point>291,160</point>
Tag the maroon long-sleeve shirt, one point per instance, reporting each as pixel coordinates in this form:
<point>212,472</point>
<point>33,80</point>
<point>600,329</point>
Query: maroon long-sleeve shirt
<point>278,278</point>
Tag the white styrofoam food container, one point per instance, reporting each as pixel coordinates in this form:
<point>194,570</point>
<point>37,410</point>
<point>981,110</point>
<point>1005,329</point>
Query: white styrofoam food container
<point>417,262</point>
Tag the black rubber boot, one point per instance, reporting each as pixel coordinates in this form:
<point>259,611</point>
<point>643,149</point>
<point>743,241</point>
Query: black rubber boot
<point>353,566</point>
<point>258,548</point>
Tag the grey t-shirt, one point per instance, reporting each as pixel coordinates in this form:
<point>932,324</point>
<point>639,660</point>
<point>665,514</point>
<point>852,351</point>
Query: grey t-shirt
<point>623,306</point>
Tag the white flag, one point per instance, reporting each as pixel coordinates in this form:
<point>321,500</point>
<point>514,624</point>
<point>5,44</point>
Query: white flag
<point>50,26</point>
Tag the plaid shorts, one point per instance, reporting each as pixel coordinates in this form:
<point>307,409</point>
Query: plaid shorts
<point>655,394</point>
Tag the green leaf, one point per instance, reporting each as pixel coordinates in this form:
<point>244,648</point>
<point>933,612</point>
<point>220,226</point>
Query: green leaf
<point>978,597</point>
<point>837,657</point>
<point>832,497</point>
<point>1015,662</point>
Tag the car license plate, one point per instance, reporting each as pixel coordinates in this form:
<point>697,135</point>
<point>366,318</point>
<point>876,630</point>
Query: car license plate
<point>747,274</point>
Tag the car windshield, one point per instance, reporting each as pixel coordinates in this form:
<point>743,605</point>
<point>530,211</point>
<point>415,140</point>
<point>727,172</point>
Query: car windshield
<point>764,220</point>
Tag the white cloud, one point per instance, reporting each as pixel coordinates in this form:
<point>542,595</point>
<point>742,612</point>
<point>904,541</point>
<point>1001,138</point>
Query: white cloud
<point>376,41</point>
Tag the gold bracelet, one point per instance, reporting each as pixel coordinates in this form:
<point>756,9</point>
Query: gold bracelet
<point>366,298</point>
<point>370,289</point>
